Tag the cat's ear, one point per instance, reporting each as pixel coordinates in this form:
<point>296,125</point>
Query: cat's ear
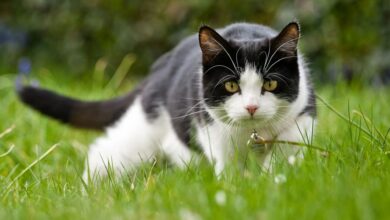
<point>211,43</point>
<point>287,39</point>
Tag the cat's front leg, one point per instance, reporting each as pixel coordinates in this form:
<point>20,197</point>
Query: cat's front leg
<point>212,139</point>
<point>301,131</point>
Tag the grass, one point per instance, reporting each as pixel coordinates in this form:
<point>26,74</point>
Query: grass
<point>40,175</point>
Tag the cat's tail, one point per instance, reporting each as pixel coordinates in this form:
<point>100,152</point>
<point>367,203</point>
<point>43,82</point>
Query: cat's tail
<point>82,114</point>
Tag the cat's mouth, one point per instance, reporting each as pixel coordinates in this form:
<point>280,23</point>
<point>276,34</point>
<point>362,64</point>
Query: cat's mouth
<point>245,121</point>
<point>239,120</point>
<point>251,120</point>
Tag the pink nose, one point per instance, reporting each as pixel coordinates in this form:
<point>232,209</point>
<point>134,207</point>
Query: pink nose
<point>252,109</point>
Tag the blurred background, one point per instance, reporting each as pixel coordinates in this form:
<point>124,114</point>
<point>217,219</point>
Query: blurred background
<point>342,39</point>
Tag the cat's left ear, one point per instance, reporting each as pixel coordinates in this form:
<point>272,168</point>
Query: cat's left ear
<point>211,43</point>
<point>287,39</point>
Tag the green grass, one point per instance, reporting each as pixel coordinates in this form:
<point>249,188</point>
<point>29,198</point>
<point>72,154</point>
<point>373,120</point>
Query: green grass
<point>352,182</point>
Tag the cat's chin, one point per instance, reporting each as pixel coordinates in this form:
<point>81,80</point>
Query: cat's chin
<point>255,122</point>
<point>247,122</point>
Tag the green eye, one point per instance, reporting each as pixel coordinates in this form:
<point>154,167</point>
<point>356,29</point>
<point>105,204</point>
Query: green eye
<point>231,86</point>
<point>270,85</point>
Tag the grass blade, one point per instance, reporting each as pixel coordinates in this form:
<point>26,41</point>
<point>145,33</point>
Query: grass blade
<point>6,190</point>
<point>347,119</point>
<point>7,131</point>
<point>8,151</point>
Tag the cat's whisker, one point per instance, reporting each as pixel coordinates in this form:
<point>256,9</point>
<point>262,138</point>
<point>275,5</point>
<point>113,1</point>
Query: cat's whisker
<point>278,76</point>
<point>277,49</point>
<point>194,99</point>
<point>227,53</point>
<point>283,58</point>
<point>189,114</point>
<point>270,74</point>
<point>237,54</point>
<point>215,66</point>
<point>195,106</point>
<point>223,79</point>
<point>267,54</point>
<point>266,57</point>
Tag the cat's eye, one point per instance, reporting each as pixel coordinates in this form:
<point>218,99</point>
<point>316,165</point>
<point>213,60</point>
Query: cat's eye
<point>231,86</point>
<point>270,85</point>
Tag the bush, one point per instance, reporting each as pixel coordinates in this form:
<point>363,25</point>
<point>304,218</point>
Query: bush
<point>339,36</point>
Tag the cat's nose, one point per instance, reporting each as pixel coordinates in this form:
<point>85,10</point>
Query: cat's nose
<point>252,109</point>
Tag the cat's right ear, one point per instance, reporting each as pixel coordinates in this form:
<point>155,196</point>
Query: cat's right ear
<point>211,43</point>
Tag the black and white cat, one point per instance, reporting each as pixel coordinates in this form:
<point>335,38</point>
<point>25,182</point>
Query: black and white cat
<point>216,86</point>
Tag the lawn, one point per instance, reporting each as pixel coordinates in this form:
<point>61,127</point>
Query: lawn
<point>40,177</point>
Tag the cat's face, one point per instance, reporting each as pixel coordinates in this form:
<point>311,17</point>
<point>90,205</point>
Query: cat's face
<point>252,81</point>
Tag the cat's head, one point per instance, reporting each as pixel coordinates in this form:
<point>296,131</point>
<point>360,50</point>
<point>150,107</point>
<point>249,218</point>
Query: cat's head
<point>250,81</point>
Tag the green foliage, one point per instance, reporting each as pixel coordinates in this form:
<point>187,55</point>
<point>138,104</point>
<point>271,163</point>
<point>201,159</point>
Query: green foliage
<point>338,35</point>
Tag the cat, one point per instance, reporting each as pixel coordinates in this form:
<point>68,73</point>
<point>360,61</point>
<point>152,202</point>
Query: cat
<point>215,87</point>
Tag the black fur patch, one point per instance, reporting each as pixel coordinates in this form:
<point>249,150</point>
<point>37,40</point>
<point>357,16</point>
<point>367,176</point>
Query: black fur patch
<point>82,114</point>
